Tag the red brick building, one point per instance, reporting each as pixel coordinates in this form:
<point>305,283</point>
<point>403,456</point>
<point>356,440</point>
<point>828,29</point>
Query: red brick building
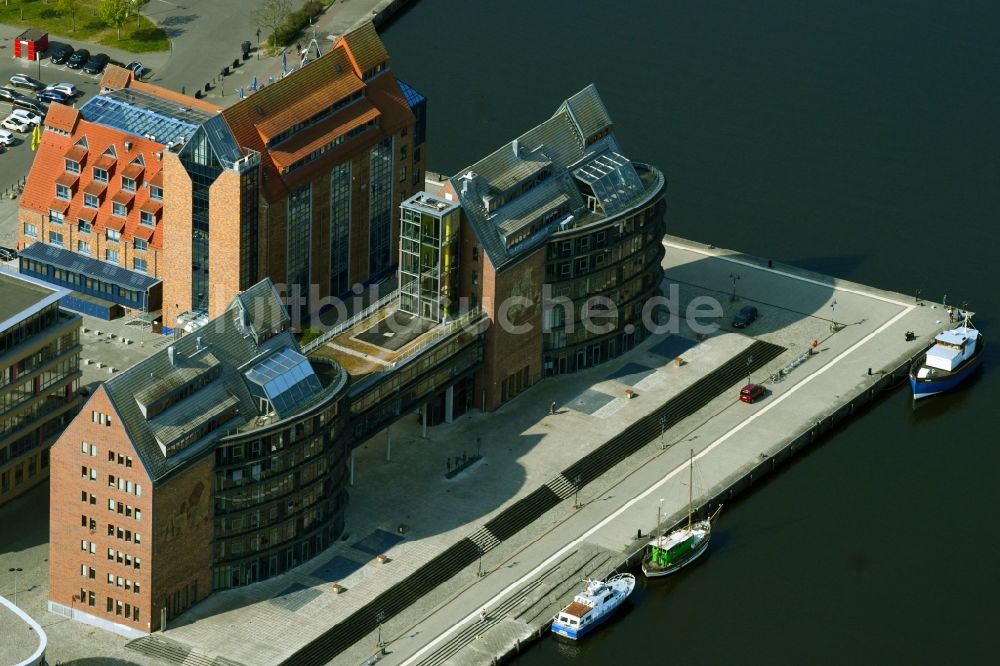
<point>216,462</point>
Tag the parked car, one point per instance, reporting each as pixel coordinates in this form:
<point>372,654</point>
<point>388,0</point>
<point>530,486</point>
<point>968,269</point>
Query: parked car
<point>24,81</point>
<point>32,105</point>
<point>59,52</point>
<point>16,125</point>
<point>8,95</point>
<point>96,63</point>
<point>137,68</point>
<point>751,392</point>
<point>6,138</point>
<point>67,89</point>
<point>8,254</point>
<point>52,96</point>
<point>27,116</point>
<point>78,59</point>
<point>745,317</point>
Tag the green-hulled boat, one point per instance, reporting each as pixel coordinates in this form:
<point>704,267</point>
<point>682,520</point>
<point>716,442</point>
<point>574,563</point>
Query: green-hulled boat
<point>672,552</point>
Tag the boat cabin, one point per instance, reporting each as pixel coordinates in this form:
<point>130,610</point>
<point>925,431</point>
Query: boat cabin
<point>951,348</point>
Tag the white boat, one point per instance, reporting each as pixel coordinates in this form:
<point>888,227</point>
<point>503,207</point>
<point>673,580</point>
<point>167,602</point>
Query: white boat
<point>667,554</point>
<point>593,607</point>
<point>955,356</point>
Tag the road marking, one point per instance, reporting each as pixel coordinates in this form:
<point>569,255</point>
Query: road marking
<point>778,271</point>
<point>474,616</point>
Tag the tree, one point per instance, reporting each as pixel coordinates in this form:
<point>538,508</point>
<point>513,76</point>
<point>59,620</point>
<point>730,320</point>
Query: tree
<point>69,8</point>
<point>272,14</point>
<point>136,6</point>
<point>114,13</point>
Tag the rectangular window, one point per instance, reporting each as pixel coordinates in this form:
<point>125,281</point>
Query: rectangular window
<point>90,200</point>
<point>135,609</point>
<point>72,167</point>
<point>83,226</point>
<point>83,545</point>
<point>83,495</point>
<point>30,230</point>
<point>112,235</point>
<point>55,239</point>
<point>137,514</point>
<point>111,480</point>
<point>138,490</point>
<point>93,548</point>
<point>139,265</point>
<point>139,244</point>
<point>111,554</point>
<point>83,471</point>
<point>63,192</point>
<point>135,588</point>
<point>83,247</point>
<point>118,209</point>
<point>100,175</point>
<point>111,255</point>
<point>128,184</point>
<point>147,219</point>
<point>138,562</point>
<point>138,537</point>
<point>56,217</point>
<point>156,193</point>
<point>111,456</point>
<point>93,474</point>
<point>110,604</point>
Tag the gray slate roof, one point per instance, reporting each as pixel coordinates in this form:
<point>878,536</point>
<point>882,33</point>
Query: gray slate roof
<point>254,326</point>
<point>531,177</point>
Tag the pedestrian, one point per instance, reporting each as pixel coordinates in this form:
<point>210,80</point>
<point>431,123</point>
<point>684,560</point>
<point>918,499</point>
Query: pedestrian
<point>482,615</point>
<point>552,408</point>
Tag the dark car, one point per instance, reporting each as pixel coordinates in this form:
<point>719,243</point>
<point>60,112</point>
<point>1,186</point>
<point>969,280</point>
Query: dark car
<point>745,317</point>
<point>59,53</point>
<point>32,105</point>
<point>78,59</point>
<point>8,254</point>
<point>8,95</point>
<point>52,96</point>
<point>96,63</point>
<point>752,392</point>
<point>23,81</point>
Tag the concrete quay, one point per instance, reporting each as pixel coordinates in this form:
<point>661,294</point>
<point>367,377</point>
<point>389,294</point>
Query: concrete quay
<point>735,445</point>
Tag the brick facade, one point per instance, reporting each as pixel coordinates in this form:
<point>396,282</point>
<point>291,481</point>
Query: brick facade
<point>177,257</point>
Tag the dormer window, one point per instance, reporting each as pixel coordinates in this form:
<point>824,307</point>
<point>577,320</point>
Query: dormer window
<point>90,201</point>
<point>119,209</point>
<point>155,193</point>
<point>63,192</point>
<point>147,219</point>
<point>100,175</point>
<point>128,184</point>
<point>72,166</point>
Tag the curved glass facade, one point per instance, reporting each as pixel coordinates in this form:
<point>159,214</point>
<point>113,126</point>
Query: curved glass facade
<point>280,491</point>
<point>616,259</point>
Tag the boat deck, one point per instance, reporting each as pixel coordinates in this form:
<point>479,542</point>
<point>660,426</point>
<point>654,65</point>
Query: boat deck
<point>576,609</point>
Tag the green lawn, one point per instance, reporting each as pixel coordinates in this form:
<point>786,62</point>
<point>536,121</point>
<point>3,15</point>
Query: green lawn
<point>43,14</point>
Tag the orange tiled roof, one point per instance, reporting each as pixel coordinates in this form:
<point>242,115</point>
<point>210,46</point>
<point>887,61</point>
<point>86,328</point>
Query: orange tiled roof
<point>49,168</point>
<point>76,154</point>
<point>62,117</point>
<point>60,205</point>
<point>68,179</point>
<point>105,162</point>
<point>143,232</point>
<point>301,145</point>
<point>365,47</point>
<point>151,206</point>
<point>174,96</point>
<point>157,179</point>
<point>115,223</point>
<point>95,187</point>
<point>132,171</point>
<point>116,77</point>
<point>123,196</point>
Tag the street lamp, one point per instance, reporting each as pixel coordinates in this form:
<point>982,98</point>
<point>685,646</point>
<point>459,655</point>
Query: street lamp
<point>833,315</point>
<point>380,618</point>
<point>15,571</point>
<point>576,492</point>
<point>749,365</point>
<point>663,428</point>
<point>258,43</point>
<point>734,277</point>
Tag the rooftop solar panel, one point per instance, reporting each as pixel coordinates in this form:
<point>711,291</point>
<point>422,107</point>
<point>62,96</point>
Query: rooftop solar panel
<point>143,115</point>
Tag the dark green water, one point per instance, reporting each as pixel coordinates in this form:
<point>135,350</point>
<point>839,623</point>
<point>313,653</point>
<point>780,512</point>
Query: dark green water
<point>858,139</point>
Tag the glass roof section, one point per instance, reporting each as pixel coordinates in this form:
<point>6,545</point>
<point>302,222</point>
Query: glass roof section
<point>412,96</point>
<point>222,141</point>
<point>287,379</point>
<point>143,115</point>
<point>613,179</point>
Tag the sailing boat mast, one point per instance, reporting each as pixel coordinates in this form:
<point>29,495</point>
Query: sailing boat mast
<point>690,489</point>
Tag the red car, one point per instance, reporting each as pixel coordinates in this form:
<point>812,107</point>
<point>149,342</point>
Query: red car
<point>751,392</point>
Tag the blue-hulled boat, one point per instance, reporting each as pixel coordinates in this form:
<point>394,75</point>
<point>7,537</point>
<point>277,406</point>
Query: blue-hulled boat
<point>956,354</point>
<point>591,608</point>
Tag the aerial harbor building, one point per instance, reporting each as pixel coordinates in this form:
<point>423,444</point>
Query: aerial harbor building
<point>216,462</point>
<point>148,201</point>
<point>551,220</point>
<point>40,361</point>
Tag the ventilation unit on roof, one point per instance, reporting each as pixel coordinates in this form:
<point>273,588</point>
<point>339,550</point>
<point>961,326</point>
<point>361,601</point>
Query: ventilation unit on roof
<point>128,146</point>
<point>159,155</point>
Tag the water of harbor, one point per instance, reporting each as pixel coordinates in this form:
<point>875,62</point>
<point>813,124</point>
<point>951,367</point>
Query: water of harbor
<point>856,139</point>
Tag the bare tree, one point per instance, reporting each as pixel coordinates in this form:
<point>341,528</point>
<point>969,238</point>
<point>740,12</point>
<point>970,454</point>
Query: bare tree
<point>272,14</point>
<point>115,13</point>
<point>69,8</point>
